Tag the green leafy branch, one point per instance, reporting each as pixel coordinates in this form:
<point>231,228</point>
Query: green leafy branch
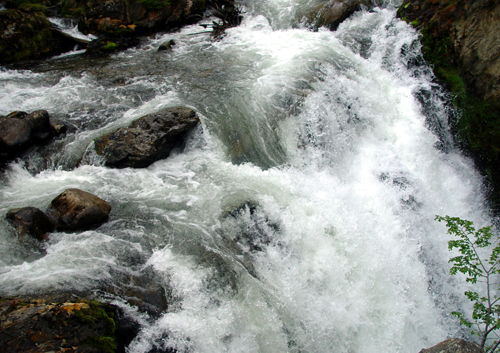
<point>486,309</point>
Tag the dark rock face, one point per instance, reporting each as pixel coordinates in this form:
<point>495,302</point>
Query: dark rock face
<point>471,30</point>
<point>20,130</point>
<point>147,139</point>
<point>34,326</point>
<point>75,209</point>
<point>454,345</point>
<point>30,220</point>
<point>461,40</point>
<point>132,16</point>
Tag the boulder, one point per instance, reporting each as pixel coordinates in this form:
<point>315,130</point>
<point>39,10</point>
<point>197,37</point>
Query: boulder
<point>332,13</point>
<point>30,220</point>
<point>454,345</point>
<point>148,139</point>
<point>20,130</point>
<point>75,209</point>
<point>71,326</point>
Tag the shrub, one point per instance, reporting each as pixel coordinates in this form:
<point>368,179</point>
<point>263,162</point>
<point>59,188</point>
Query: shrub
<point>485,319</point>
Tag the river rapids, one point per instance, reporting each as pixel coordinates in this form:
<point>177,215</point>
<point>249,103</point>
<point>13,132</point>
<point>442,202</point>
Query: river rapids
<point>298,218</point>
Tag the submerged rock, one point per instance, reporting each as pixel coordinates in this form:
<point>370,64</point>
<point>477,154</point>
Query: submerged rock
<point>30,220</point>
<point>148,139</point>
<point>454,345</point>
<point>74,326</point>
<point>75,209</point>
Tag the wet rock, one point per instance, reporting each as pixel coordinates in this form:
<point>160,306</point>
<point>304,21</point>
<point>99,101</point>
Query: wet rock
<point>148,139</point>
<point>166,45</point>
<point>454,345</point>
<point>37,326</point>
<point>19,131</point>
<point>32,221</point>
<point>75,209</point>
<point>332,13</point>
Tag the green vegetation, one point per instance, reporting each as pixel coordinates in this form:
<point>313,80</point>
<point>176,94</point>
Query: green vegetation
<point>110,46</point>
<point>485,319</point>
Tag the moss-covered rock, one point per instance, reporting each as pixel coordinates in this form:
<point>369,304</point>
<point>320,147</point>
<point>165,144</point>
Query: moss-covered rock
<point>36,325</point>
<point>24,36</point>
<point>461,40</point>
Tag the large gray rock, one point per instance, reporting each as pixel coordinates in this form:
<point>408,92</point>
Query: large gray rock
<point>454,345</point>
<point>30,220</point>
<point>147,139</point>
<point>75,209</point>
<point>20,130</point>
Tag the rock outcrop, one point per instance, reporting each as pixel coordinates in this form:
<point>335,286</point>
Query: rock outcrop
<point>454,345</point>
<point>20,130</point>
<point>75,209</point>
<point>461,40</point>
<point>464,35</point>
<point>148,139</point>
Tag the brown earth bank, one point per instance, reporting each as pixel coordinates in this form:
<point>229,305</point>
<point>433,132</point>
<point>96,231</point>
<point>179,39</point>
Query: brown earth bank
<point>461,40</point>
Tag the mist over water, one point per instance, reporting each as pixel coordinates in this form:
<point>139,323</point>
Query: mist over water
<point>299,217</point>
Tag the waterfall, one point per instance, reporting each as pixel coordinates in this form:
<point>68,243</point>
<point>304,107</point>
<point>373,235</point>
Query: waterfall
<point>300,215</point>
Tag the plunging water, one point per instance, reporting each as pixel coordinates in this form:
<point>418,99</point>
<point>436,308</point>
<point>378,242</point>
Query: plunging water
<point>299,217</point>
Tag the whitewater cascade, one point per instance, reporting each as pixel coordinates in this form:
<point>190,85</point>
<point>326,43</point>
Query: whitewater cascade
<point>300,215</point>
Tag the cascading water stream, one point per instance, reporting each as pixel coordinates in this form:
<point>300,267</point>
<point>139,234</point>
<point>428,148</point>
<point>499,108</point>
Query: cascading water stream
<point>299,217</point>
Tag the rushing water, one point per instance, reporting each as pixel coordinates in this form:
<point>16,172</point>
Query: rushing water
<point>299,217</point>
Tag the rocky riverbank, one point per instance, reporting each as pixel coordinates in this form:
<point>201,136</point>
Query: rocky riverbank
<point>461,40</point>
<point>26,34</point>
